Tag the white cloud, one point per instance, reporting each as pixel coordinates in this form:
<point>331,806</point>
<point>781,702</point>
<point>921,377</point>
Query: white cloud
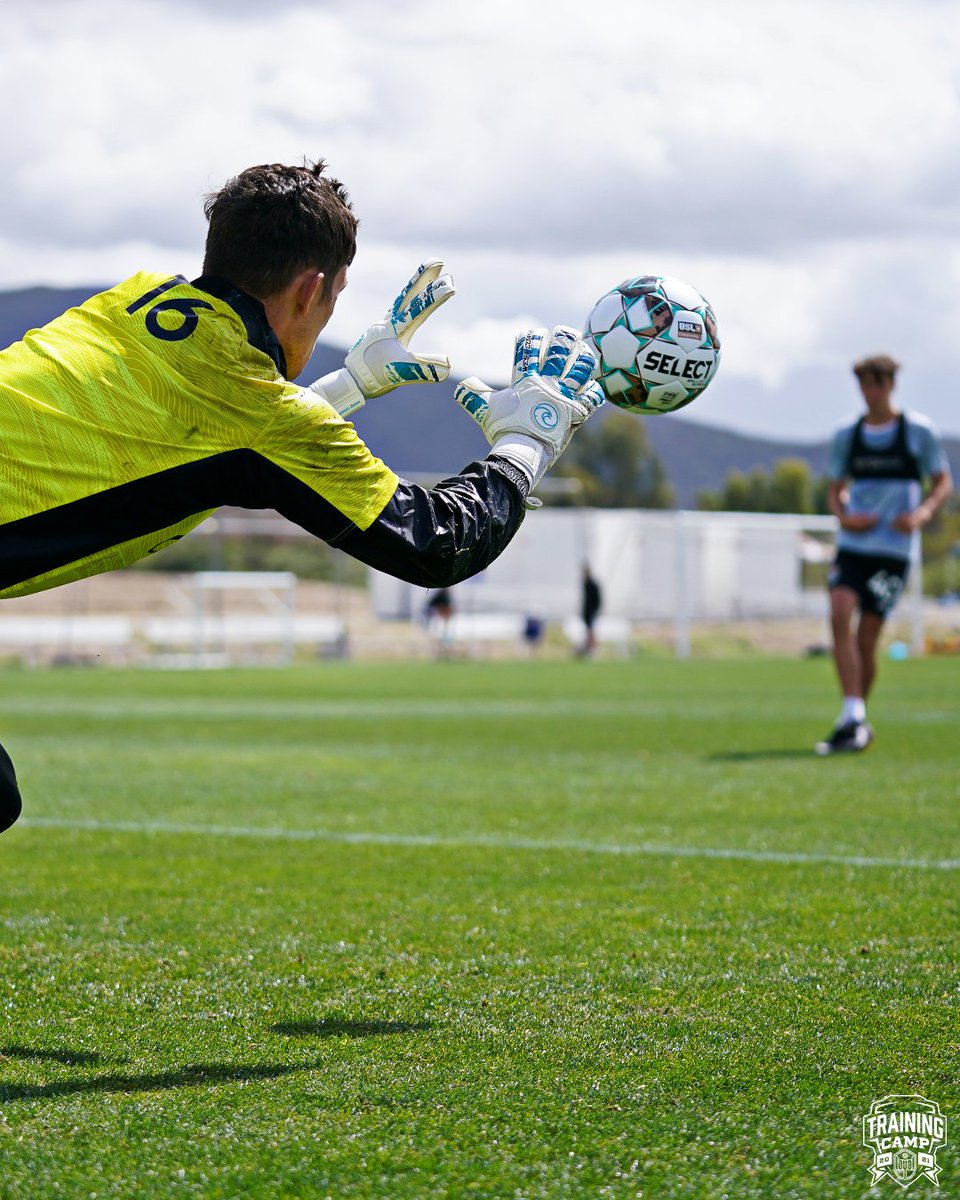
<point>795,162</point>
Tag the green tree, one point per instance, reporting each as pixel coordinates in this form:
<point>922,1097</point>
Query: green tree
<point>740,493</point>
<point>615,466</point>
<point>821,489</point>
<point>941,551</point>
<point>735,496</point>
<point>791,487</point>
<point>707,501</point>
<point>758,490</point>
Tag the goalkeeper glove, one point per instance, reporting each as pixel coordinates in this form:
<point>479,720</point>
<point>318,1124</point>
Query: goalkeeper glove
<point>553,392</point>
<point>381,360</point>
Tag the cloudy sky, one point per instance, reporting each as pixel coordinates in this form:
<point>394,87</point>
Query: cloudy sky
<point>797,162</point>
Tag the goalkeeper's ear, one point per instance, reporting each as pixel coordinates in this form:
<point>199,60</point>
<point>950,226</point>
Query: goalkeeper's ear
<point>309,290</point>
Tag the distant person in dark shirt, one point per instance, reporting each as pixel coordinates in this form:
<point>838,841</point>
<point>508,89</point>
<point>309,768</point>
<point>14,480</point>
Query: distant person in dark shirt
<point>439,612</point>
<point>440,604</point>
<point>590,605</point>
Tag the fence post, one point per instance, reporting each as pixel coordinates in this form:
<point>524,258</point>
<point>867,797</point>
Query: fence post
<point>681,620</point>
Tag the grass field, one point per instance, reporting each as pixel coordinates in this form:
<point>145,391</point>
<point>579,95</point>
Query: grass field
<point>490,930</point>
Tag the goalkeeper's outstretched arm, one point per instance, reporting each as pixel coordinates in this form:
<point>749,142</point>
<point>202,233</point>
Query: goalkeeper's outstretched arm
<point>432,537</point>
<point>441,536</point>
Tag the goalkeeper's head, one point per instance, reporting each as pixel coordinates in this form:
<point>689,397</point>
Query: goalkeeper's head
<point>270,223</point>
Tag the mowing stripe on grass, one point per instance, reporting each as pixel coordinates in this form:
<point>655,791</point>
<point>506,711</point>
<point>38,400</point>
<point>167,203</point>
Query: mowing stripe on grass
<point>487,841</point>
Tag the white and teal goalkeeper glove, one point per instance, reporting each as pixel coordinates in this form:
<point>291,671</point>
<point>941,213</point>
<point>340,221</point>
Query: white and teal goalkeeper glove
<point>381,360</point>
<point>552,393</point>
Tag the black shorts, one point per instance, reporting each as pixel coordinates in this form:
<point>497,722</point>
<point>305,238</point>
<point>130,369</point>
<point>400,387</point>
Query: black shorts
<point>877,579</point>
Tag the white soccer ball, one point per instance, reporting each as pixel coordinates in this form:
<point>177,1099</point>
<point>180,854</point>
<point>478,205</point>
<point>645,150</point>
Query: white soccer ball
<point>657,341</point>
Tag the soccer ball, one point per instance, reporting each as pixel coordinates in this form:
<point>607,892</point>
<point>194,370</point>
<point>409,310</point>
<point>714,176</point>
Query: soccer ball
<point>657,341</point>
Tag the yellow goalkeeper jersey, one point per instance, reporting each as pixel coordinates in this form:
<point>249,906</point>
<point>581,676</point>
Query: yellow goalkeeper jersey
<point>126,421</point>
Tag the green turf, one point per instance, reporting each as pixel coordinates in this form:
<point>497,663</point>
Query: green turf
<point>505,959</point>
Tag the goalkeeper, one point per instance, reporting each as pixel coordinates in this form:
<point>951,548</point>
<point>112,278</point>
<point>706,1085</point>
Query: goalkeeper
<point>127,421</point>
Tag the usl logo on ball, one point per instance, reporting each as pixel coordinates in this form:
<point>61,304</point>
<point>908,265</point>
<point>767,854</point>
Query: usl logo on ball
<point>657,341</point>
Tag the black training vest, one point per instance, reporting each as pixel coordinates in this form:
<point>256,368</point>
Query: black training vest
<point>893,462</point>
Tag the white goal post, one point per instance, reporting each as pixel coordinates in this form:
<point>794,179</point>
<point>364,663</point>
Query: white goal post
<point>213,630</point>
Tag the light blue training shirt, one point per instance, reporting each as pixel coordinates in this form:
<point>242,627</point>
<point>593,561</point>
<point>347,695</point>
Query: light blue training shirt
<point>886,497</point>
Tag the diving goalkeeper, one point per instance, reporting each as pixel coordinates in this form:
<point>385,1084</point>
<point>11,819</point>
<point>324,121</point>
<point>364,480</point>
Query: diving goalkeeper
<point>127,421</point>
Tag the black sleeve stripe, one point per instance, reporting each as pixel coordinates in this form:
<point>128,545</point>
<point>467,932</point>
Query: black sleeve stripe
<point>56,537</point>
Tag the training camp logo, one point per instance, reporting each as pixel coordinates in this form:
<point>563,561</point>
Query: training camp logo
<point>904,1133</point>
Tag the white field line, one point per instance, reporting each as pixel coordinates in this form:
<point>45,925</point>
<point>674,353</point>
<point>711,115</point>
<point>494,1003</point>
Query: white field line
<point>493,708</point>
<point>487,841</point>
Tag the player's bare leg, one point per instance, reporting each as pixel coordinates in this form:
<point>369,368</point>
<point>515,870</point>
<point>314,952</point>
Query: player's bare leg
<point>851,731</point>
<point>868,635</point>
<point>846,651</point>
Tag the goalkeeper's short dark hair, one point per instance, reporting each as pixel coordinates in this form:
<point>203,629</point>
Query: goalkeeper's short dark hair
<point>271,222</point>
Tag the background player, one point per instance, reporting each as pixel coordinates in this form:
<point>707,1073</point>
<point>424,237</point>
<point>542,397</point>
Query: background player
<point>126,421</point>
<point>591,601</point>
<point>877,465</point>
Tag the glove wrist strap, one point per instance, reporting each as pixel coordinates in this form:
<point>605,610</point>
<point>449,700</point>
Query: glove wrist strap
<point>341,391</point>
<point>527,454</point>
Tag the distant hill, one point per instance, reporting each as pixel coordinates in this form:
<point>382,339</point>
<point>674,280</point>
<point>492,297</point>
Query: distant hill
<point>30,307</point>
<point>421,430</point>
<point>699,457</point>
